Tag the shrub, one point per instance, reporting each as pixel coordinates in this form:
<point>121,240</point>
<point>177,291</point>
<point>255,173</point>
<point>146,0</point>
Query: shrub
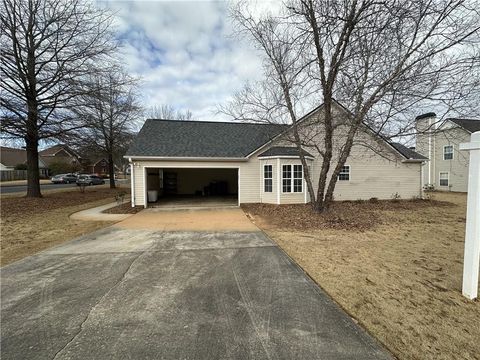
<point>21,167</point>
<point>373,200</point>
<point>429,187</point>
<point>396,197</point>
<point>62,167</point>
<point>120,197</point>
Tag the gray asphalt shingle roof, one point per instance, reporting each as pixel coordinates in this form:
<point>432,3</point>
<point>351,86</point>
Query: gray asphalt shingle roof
<point>408,153</point>
<point>283,151</point>
<point>177,138</point>
<point>470,125</point>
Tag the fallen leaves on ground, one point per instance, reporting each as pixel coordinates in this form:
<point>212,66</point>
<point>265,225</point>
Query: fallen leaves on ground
<point>125,208</point>
<point>346,215</point>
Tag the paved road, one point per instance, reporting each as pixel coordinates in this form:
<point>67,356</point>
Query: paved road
<point>124,293</point>
<point>23,188</point>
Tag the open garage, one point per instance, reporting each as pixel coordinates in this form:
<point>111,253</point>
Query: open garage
<point>191,186</point>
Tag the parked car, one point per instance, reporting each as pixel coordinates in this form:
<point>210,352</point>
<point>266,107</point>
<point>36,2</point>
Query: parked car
<point>64,179</point>
<point>89,180</point>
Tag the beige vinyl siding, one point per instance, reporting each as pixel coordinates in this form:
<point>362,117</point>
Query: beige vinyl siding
<point>376,170</point>
<point>374,176</point>
<point>383,180</point>
<point>456,167</point>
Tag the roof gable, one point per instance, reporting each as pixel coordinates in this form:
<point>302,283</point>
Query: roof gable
<point>471,125</point>
<point>410,154</point>
<point>180,138</point>
<point>11,157</point>
<point>58,149</point>
<point>396,148</point>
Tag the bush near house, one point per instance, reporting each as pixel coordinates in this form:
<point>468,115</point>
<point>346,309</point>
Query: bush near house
<point>62,167</point>
<point>21,167</point>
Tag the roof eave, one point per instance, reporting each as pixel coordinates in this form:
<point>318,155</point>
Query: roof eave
<point>284,157</point>
<point>415,160</point>
<point>184,158</point>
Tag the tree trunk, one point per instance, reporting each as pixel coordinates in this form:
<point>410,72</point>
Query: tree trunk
<point>33,171</point>
<point>31,143</point>
<point>111,171</point>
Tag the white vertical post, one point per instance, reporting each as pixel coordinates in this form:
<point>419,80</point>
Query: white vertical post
<point>132,182</point>
<point>471,261</point>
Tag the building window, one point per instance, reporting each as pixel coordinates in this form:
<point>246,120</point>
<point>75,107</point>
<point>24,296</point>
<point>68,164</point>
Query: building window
<point>287,178</point>
<point>267,178</point>
<point>448,152</point>
<point>444,179</point>
<point>297,178</point>
<point>292,178</point>
<point>344,174</point>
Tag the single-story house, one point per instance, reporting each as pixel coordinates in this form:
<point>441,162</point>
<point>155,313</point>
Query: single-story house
<point>98,166</point>
<point>61,153</point>
<point>257,163</point>
<point>11,157</point>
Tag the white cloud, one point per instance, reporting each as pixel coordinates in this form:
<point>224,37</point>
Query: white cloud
<point>184,52</point>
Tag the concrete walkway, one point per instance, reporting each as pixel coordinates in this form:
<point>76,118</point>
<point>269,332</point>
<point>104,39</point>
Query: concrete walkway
<point>122,293</point>
<point>96,214</point>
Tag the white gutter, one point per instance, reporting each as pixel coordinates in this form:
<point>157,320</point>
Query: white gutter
<point>414,161</point>
<point>132,182</point>
<point>285,157</point>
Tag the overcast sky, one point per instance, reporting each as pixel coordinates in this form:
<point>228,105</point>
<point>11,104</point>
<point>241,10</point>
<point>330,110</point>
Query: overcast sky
<point>185,53</point>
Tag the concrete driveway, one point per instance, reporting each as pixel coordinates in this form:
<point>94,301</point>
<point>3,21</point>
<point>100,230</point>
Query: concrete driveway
<point>146,293</point>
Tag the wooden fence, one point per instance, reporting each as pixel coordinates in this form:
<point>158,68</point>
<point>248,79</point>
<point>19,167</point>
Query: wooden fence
<point>9,175</point>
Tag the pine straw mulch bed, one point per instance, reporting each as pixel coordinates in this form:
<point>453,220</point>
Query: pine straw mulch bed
<point>125,208</point>
<point>342,215</point>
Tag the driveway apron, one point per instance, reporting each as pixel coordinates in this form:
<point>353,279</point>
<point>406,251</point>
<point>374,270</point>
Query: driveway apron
<point>166,291</point>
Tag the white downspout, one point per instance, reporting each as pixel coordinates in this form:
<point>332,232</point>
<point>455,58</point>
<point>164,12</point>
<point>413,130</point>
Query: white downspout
<point>279,180</point>
<point>132,182</point>
<point>430,152</point>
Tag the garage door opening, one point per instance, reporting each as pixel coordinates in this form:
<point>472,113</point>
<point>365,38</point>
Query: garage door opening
<point>191,187</point>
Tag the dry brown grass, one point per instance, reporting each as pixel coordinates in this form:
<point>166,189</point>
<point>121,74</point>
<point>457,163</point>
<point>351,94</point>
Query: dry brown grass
<point>401,279</point>
<point>32,225</point>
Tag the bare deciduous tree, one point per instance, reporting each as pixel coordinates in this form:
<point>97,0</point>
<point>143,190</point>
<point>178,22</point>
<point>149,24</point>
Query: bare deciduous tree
<point>168,112</point>
<point>47,48</point>
<point>381,60</point>
<point>109,111</point>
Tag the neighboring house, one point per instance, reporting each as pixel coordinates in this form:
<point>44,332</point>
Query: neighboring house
<point>99,167</point>
<point>61,154</point>
<point>11,157</point>
<point>448,167</point>
<point>258,164</point>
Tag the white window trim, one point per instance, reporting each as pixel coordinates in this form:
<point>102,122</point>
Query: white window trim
<point>264,178</point>
<point>448,178</point>
<point>349,174</point>
<point>291,180</point>
<point>453,152</point>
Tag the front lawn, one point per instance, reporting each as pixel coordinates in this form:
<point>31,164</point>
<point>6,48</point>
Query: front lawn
<point>394,267</point>
<point>32,225</point>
